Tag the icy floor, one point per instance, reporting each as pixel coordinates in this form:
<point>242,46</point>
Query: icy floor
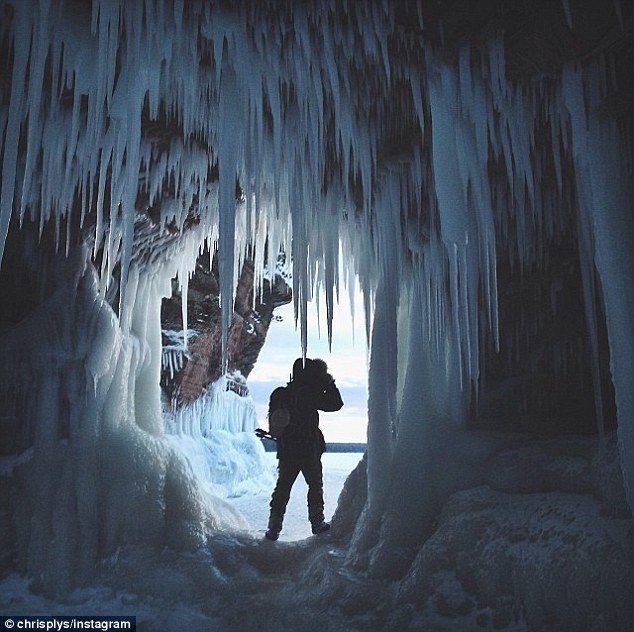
<point>525,544</point>
<point>164,593</point>
<point>336,466</point>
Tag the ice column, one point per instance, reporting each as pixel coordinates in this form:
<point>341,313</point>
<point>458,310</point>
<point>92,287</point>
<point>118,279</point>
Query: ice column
<point>229,150</point>
<point>382,392</point>
<point>605,197</point>
<point>101,474</point>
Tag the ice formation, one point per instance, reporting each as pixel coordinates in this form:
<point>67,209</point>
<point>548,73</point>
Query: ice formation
<point>250,128</point>
<point>215,433</point>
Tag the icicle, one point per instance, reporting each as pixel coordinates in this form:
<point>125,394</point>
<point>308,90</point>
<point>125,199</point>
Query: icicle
<point>229,140</point>
<point>183,277</point>
<point>568,14</point>
<point>22,35</point>
<point>619,13</point>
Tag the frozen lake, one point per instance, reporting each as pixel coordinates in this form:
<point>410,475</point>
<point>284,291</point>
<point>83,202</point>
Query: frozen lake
<point>337,467</point>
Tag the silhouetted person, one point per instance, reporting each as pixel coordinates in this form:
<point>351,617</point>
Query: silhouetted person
<point>301,444</point>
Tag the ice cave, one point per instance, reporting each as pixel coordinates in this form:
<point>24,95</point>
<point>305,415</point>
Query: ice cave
<point>465,166</point>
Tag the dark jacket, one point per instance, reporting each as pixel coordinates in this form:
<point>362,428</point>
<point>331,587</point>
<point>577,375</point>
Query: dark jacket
<point>302,438</point>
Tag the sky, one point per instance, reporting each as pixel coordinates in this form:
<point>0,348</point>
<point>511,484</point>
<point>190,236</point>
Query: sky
<point>348,364</point>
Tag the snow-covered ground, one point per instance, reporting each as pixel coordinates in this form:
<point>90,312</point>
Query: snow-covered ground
<point>337,466</point>
<point>156,590</point>
<point>531,542</point>
<point>531,534</point>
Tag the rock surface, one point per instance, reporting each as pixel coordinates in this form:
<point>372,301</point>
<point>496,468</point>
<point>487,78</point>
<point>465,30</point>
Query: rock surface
<point>201,364</point>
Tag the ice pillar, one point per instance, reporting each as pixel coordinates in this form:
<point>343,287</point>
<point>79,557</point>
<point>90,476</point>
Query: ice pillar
<point>604,195</point>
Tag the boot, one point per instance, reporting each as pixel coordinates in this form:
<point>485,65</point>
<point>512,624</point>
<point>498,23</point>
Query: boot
<point>317,522</point>
<point>274,527</point>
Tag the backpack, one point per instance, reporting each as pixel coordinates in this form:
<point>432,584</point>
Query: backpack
<point>280,407</point>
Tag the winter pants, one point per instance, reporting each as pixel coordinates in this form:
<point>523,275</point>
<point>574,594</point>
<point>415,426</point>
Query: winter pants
<point>288,470</point>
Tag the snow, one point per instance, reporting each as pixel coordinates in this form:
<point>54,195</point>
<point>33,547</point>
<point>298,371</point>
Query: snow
<point>337,466</point>
<point>170,612</point>
<point>503,544</point>
<point>502,547</point>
